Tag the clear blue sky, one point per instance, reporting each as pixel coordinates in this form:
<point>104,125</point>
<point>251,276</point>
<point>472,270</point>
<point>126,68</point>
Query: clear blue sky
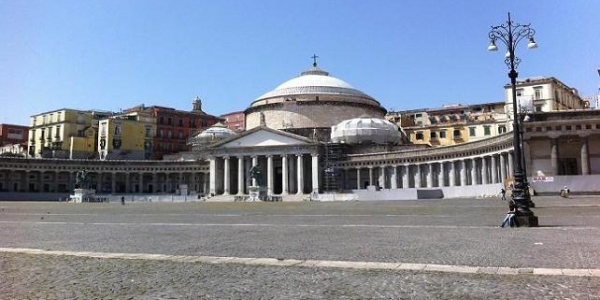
<point>115,54</point>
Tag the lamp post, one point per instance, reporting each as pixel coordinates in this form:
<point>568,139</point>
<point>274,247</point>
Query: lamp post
<point>511,34</point>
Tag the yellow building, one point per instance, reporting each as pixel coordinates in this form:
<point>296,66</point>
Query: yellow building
<point>64,133</point>
<point>451,124</point>
<point>126,137</point>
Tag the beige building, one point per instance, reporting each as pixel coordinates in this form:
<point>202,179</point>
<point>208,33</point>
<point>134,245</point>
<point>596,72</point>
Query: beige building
<point>451,124</point>
<point>544,94</point>
<point>65,133</point>
<point>126,137</point>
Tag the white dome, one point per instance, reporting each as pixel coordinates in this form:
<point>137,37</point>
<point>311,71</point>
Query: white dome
<point>314,81</point>
<point>365,131</point>
<point>211,135</point>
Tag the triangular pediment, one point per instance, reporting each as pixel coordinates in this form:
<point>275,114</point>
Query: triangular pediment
<point>263,137</point>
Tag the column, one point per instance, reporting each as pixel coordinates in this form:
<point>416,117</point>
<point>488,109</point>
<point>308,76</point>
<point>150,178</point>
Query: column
<point>554,157</point>
<point>371,175</point>
<point>127,188</point>
<point>213,176</point>
<point>502,167</point>
<point>315,173</point>
<point>300,176</point>
<point>269,175</point>
<point>394,178</point>
<point>405,178</point>
<point>284,175</point>
<point>441,175</point>
<point>382,177</point>
<point>142,182</point>
<point>418,176</point>
<point>511,166</point>
<point>463,172</point>
<point>494,170</point>
<point>473,171</point>
<point>240,174</point>
<point>585,159</point>
<point>154,182</point>
<point>254,163</point>
<point>451,174</point>
<point>429,175</point>
<point>484,171</point>
<point>226,181</point>
<point>358,183</point>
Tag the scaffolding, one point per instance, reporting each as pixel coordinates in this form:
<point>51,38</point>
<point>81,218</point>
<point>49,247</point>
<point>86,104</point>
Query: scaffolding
<point>332,177</point>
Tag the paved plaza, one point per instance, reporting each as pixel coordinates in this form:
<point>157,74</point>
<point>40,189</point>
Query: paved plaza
<point>426,249</point>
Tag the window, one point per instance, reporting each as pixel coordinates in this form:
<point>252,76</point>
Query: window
<point>169,121</point>
<point>147,131</point>
<point>487,130</point>
<point>162,120</point>
<point>443,134</point>
<point>180,122</point>
<point>457,133</point>
<point>537,92</point>
<point>433,135</point>
<point>501,129</point>
<point>471,131</point>
<point>419,135</point>
<point>519,92</point>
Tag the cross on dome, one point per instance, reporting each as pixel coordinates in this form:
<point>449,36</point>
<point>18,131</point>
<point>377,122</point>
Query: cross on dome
<point>314,57</point>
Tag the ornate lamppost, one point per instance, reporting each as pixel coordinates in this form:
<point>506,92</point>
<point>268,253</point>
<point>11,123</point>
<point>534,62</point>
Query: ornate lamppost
<point>511,34</point>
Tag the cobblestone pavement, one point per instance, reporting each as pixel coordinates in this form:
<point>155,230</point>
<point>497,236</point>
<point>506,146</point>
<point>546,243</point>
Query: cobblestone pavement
<point>452,232</point>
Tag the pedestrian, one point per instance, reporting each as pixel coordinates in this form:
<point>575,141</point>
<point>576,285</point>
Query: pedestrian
<point>511,216</point>
<point>123,200</point>
<point>565,192</point>
<point>503,193</point>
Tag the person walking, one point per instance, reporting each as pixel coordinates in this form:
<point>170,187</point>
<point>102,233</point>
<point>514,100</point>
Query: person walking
<point>503,193</point>
<point>122,200</point>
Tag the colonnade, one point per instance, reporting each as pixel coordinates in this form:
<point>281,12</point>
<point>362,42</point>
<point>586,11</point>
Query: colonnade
<point>103,182</point>
<point>485,169</point>
<point>280,174</point>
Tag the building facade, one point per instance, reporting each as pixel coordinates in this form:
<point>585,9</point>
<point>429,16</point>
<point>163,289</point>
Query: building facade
<point>13,139</point>
<point>126,137</point>
<point>174,127</point>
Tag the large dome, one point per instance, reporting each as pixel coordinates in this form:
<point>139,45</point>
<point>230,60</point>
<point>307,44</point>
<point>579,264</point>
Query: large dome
<point>312,100</point>
<point>314,81</point>
<point>365,131</point>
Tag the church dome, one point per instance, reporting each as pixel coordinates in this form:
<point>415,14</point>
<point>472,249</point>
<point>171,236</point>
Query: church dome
<point>314,81</point>
<point>312,100</point>
<point>211,135</point>
<point>365,131</point>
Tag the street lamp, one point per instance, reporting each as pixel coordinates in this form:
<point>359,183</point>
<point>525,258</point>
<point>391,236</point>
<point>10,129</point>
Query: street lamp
<point>511,34</point>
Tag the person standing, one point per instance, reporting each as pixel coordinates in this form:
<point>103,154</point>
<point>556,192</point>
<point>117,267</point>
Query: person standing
<point>503,193</point>
<point>122,200</point>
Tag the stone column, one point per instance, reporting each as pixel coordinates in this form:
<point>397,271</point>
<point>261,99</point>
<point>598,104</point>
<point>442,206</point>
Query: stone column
<point>502,167</point>
<point>254,163</point>
<point>484,171</point>
<point>441,175</point>
<point>226,179</point>
<point>284,175</point>
<point>418,176</point>
<point>511,166</point>
<point>585,158</point>
<point>429,175</point>
<point>463,172</point>
<point>212,189</point>
<point>371,175</point>
<point>127,180</point>
<point>452,174</point>
<point>554,157</point>
<point>473,171</point>
<point>315,173</point>
<point>154,182</point>
<point>141,182</point>
<point>269,175</point>
<point>382,177</point>
<point>358,183</point>
<point>300,175</point>
<point>394,177</point>
<point>405,176</point>
<point>240,174</point>
<point>494,170</point>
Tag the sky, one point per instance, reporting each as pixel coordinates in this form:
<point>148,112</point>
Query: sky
<point>410,54</point>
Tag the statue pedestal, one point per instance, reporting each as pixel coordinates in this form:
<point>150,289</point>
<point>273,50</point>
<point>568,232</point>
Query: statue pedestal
<point>83,195</point>
<point>257,193</point>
